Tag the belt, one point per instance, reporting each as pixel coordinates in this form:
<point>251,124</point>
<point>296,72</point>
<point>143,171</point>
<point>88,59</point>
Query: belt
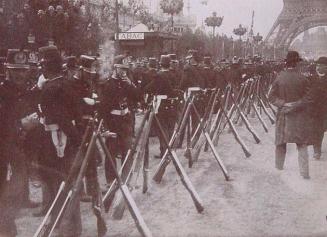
<point>120,112</point>
<point>87,117</point>
<point>51,127</point>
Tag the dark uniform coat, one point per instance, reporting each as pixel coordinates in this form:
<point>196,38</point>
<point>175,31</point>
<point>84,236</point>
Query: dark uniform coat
<point>192,77</point>
<point>292,127</point>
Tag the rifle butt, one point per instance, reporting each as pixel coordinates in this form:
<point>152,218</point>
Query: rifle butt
<point>188,155</point>
<point>107,203</point>
<point>140,223</point>
<point>102,227</point>
<point>215,153</point>
<point>187,183</point>
<point>145,180</point>
<point>160,171</point>
<point>119,208</point>
<point>197,151</point>
<point>194,195</point>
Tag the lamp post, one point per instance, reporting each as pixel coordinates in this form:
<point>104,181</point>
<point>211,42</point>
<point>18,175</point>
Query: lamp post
<point>257,39</point>
<point>214,21</point>
<point>172,7</point>
<point>240,31</point>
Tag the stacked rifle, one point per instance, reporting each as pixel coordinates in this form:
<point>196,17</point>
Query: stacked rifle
<point>225,110</point>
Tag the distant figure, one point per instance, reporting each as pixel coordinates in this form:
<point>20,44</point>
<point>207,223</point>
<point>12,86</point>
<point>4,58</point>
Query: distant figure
<point>291,125</point>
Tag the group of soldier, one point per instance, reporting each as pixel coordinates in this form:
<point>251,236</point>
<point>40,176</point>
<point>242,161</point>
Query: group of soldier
<point>45,109</point>
<point>44,115</point>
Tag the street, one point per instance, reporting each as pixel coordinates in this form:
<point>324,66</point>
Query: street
<point>258,201</point>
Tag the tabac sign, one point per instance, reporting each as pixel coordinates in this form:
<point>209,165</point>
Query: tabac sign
<point>129,36</point>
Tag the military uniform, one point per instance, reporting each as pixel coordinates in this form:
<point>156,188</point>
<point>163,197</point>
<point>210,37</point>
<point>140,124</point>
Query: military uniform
<point>59,111</point>
<point>162,89</point>
<point>15,104</point>
<point>193,77</point>
<point>117,96</point>
<point>12,172</point>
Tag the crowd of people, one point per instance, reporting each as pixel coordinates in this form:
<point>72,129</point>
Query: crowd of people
<point>64,23</point>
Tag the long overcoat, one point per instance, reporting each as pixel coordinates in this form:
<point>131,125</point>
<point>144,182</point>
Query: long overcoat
<point>292,127</point>
<point>316,100</point>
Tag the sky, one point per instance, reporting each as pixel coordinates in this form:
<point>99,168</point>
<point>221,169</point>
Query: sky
<point>236,12</point>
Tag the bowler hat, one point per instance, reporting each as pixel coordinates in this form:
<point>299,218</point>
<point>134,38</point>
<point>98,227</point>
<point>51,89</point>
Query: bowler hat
<point>322,60</point>
<point>293,57</point>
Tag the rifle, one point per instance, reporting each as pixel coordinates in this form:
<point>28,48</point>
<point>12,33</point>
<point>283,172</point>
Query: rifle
<point>198,131</point>
<point>208,139</point>
<point>64,193</point>
<point>236,135</point>
<point>133,209</point>
<point>188,153</point>
<point>180,170</point>
<point>75,197</point>
<point>125,170</point>
<point>272,120</point>
<point>202,140</point>
<point>246,122</point>
<point>218,129</point>
<point>131,179</point>
<point>177,132</point>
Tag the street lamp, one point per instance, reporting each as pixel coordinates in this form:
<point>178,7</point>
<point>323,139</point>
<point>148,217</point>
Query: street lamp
<point>172,7</point>
<point>214,21</point>
<point>257,39</point>
<point>240,31</point>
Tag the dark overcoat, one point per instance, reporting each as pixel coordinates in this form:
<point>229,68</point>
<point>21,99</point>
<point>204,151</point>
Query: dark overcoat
<point>316,101</point>
<point>293,127</point>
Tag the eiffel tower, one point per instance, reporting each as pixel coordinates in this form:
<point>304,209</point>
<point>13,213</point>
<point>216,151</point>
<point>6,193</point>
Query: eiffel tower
<point>296,17</point>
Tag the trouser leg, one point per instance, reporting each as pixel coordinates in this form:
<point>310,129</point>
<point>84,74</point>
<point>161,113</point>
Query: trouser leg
<point>71,225</point>
<point>317,147</point>
<point>280,154</point>
<point>303,158</point>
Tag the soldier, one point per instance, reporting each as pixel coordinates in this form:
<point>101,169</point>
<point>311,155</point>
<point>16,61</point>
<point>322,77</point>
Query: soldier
<point>59,110</point>
<point>70,67</point>
<point>162,88</point>
<point>192,76</point>
<point>117,97</point>
<point>208,72</point>
<point>175,70</point>
<point>15,104</point>
<point>151,72</point>
<point>234,74</point>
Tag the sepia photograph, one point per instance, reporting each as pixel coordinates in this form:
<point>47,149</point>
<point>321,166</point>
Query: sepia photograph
<point>163,118</point>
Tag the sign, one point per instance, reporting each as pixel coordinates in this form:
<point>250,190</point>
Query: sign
<point>129,36</point>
